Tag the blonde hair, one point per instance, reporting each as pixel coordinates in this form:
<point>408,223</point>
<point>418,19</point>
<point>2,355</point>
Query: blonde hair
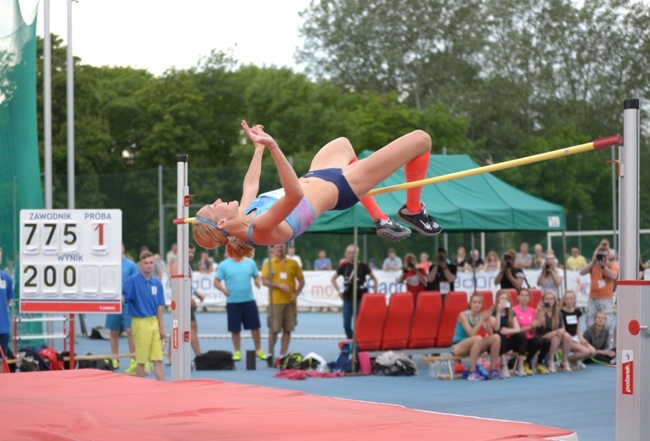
<point>210,237</point>
<point>575,298</point>
<point>496,304</point>
<point>555,310</point>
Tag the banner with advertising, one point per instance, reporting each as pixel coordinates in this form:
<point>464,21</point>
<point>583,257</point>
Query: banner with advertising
<point>319,292</point>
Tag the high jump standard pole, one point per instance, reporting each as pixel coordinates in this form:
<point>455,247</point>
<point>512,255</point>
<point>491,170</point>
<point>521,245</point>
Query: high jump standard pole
<point>181,283</point>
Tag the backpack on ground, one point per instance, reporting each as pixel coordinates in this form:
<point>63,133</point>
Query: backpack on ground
<point>344,361</point>
<point>32,361</point>
<point>214,361</point>
<point>292,360</point>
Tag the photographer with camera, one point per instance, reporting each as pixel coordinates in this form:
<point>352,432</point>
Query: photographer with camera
<point>442,275</point>
<point>549,279</point>
<point>414,277</point>
<point>510,276</point>
<point>604,272</point>
<point>346,270</point>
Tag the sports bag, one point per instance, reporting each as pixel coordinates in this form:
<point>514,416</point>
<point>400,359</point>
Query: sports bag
<point>214,361</point>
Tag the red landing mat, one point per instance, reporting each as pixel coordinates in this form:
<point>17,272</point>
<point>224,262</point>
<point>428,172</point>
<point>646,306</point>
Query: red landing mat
<point>98,405</point>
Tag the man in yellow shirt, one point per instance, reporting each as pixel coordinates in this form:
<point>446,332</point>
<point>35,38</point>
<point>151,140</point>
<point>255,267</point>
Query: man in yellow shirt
<point>576,261</point>
<point>287,281</point>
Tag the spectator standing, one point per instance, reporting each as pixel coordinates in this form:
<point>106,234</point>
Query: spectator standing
<point>550,278</point>
<point>442,274</point>
<point>172,259</point>
<point>206,265</point>
<point>323,263</point>
<point>291,254</point>
<point>286,281</point>
<point>144,294</point>
<point>414,278</point>
<point>241,307</point>
<point>510,276</point>
<point>538,258</point>
<point>424,264</point>
<point>158,266</point>
<point>523,259</point>
<point>347,272</point>
<point>6,295</point>
<point>392,262</point>
<point>604,272</point>
<point>493,262</point>
<point>117,323</point>
<point>575,261</point>
<point>372,263</point>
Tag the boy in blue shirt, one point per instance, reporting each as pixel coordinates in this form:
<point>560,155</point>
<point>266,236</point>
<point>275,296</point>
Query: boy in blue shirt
<point>144,294</point>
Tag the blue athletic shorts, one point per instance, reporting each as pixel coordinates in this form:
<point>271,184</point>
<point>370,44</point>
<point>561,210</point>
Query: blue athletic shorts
<point>347,198</point>
<point>245,313</point>
<point>119,322</point>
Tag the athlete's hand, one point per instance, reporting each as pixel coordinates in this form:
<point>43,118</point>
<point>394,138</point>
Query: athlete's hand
<point>259,136</point>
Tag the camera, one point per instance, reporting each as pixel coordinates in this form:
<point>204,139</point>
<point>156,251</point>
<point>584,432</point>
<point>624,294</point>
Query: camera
<point>601,257</point>
<point>546,304</point>
<point>547,266</point>
<point>506,305</point>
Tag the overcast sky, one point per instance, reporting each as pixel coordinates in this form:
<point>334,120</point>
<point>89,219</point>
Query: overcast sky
<point>159,34</point>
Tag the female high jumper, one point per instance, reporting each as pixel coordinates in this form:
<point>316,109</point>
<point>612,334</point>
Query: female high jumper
<point>336,180</point>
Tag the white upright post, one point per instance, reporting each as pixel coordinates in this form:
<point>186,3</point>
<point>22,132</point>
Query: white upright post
<point>181,283</point>
<point>633,296</point>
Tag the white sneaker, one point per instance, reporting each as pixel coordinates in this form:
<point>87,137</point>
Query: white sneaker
<point>505,373</point>
<point>581,365</point>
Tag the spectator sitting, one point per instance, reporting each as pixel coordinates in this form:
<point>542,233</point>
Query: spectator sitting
<point>549,278</point>
<point>493,262</point>
<point>538,258</point>
<point>323,263</point>
<point>475,260</point>
<point>468,342</point>
<point>576,261</point>
<point>414,278</point>
<point>580,348</point>
<point>534,344</point>
<point>597,335</point>
<point>504,322</point>
<point>392,262</point>
<point>523,260</point>
<point>550,326</point>
<point>461,260</point>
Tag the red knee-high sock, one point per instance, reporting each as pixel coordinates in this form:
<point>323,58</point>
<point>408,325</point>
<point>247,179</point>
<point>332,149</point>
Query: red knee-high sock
<point>370,205</point>
<point>415,170</point>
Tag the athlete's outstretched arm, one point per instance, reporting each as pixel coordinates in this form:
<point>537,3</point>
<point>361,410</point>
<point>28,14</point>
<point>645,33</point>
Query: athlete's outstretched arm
<point>251,184</point>
<point>292,190</point>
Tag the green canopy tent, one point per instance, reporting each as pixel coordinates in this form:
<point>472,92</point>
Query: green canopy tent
<point>475,203</point>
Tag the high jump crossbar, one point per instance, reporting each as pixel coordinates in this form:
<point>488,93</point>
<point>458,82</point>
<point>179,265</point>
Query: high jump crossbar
<point>594,145</point>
